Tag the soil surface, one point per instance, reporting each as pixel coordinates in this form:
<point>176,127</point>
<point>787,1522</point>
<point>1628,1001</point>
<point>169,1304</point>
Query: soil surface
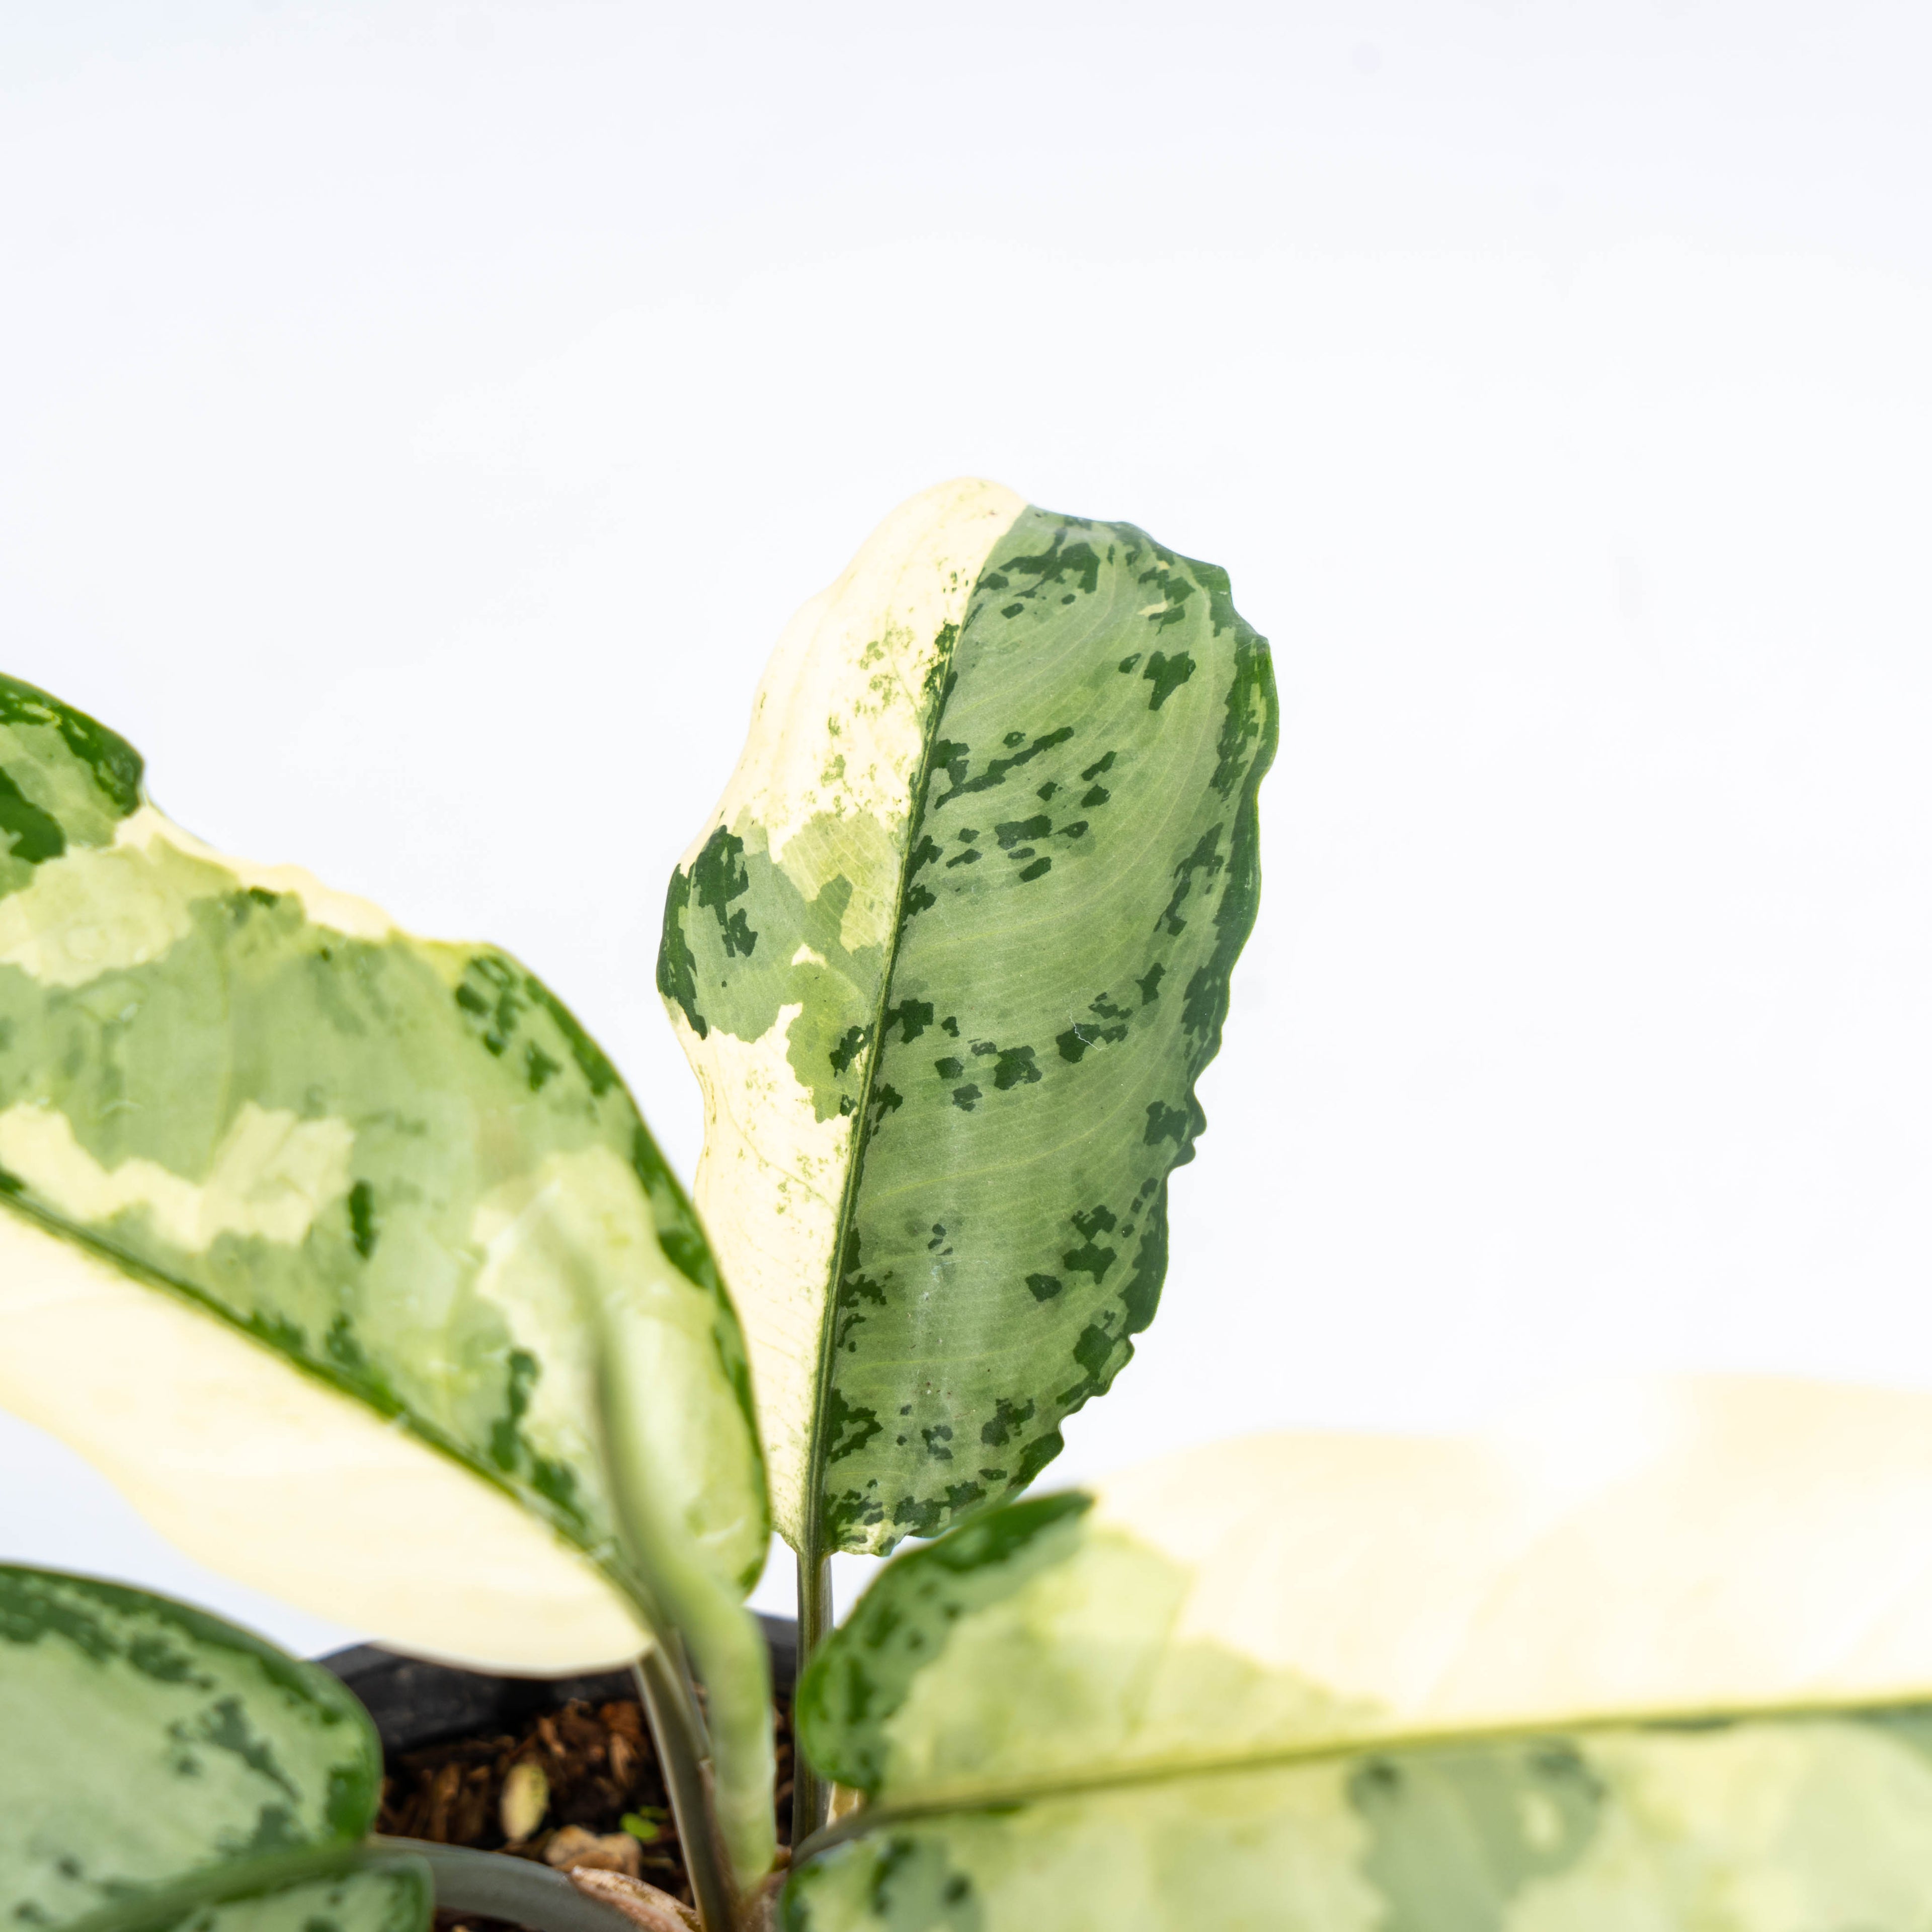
<point>603,1778</point>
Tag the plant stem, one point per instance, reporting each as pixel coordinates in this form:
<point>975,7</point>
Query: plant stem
<point>673,1645</point>
<point>811,1795</point>
<point>678,1731</point>
<point>720,1774</point>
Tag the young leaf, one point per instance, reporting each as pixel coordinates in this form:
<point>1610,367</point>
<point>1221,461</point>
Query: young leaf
<point>643,1422</point>
<point>1663,1660</point>
<point>948,960</point>
<point>307,1228</point>
<point>154,1755</point>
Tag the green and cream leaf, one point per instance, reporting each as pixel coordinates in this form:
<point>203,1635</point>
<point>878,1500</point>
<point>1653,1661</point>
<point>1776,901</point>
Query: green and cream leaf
<point>311,1229</point>
<point>948,959</point>
<point>1660,1658</point>
<point>161,1767</point>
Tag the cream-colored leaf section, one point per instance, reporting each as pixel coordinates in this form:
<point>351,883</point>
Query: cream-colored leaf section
<point>837,739</point>
<point>1284,1854</point>
<point>1750,1830</point>
<point>97,909</point>
<point>838,724</point>
<point>767,1191</point>
<point>272,1175</point>
<point>1708,1544</point>
<point>555,1241</point>
<point>571,1252</point>
<point>1107,1686</point>
<point>257,1471</point>
<point>92,910</point>
<point>354,918</point>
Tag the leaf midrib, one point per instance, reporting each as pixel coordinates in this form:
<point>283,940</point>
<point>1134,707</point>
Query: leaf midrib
<point>814,1541</point>
<point>862,1137</point>
<point>868,1818</point>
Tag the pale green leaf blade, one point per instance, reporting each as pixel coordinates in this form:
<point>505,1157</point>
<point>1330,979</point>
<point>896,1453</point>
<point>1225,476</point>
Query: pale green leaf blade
<point>1700,1546</point>
<point>948,961</point>
<point>1776,1826</point>
<point>358,1891</point>
<point>308,1219</point>
<point>1703,1606</point>
<point>147,1745</point>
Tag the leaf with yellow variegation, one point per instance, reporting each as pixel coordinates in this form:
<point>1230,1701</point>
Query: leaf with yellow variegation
<point>1659,1658</point>
<point>337,1248</point>
<point>949,958</point>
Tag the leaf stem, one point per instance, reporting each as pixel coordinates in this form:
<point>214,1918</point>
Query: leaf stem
<point>678,1731</point>
<point>493,1886</point>
<point>811,1795</point>
<point>719,1774</point>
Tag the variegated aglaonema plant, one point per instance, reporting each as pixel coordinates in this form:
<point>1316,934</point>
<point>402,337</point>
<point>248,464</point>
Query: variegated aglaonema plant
<point>348,1257</point>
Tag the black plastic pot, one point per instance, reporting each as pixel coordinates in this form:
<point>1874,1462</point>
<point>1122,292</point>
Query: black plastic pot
<point>415,1703</point>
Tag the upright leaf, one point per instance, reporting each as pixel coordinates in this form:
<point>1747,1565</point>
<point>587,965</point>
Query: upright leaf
<point>162,1767</point>
<point>311,1230</point>
<point>948,960</point>
<point>1662,1660</point>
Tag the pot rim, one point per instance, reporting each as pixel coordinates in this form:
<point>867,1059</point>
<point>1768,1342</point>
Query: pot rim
<point>416,1702</point>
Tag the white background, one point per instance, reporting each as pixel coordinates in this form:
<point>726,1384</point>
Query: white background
<point>417,420</point>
